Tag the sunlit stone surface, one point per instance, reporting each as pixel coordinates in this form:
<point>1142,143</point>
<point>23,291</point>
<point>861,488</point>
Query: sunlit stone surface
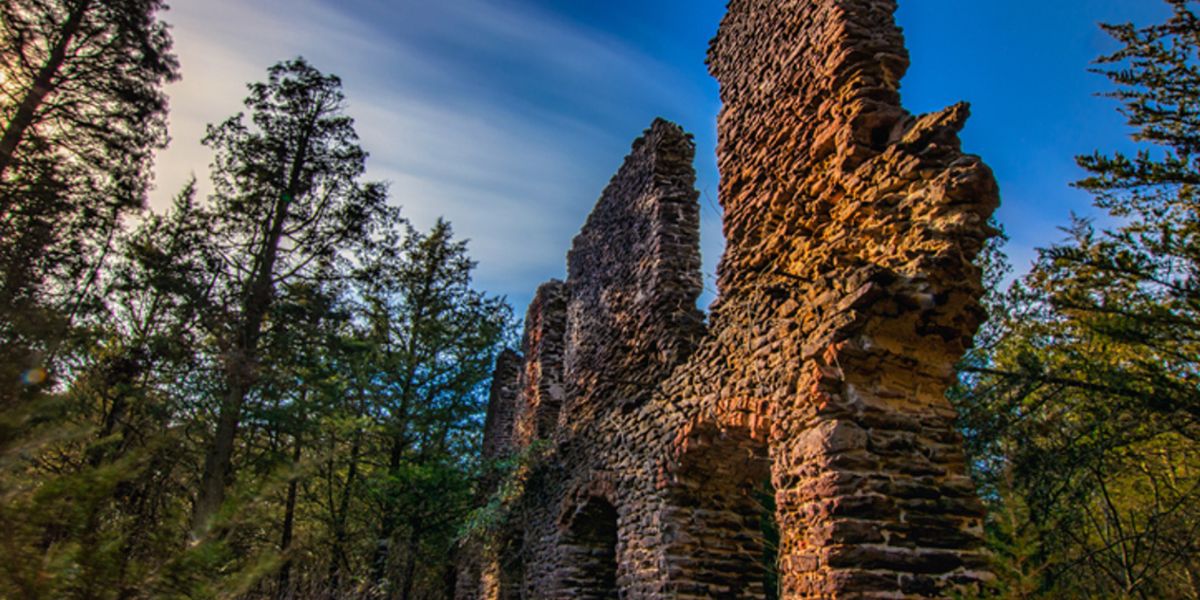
<point>847,294</point>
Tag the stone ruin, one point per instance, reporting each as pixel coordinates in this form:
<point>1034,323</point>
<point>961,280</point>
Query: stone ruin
<point>799,444</point>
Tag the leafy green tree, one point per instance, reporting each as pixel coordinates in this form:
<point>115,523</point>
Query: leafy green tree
<point>1082,414</point>
<point>303,394</point>
<point>289,201</point>
<point>291,329</point>
<point>437,340</point>
<point>70,64</point>
<point>92,495</point>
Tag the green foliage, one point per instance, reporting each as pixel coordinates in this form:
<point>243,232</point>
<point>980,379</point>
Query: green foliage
<point>288,207</point>
<point>1080,408</point>
<point>336,355</point>
<point>508,478</point>
<point>436,341</point>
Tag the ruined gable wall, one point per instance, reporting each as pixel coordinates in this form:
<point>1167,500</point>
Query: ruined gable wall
<point>595,346</point>
<point>851,229</point>
<point>541,376</point>
<point>825,176</point>
<point>498,426</point>
<point>846,295</point>
<point>634,277</point>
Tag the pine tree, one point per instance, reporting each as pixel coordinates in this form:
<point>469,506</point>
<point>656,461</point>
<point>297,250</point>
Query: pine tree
<point>320,358</point>
<point>92,502</point>
<point>1084,415</point>
<point>290,203</point>
<point>436,342</point>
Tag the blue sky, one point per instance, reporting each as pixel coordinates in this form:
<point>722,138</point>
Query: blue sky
<point>509,116</point>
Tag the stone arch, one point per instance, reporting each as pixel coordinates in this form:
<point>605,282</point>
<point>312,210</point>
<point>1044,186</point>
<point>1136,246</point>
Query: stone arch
<point>510,574</point>
<point>720,512</point>
<point>588,545</point>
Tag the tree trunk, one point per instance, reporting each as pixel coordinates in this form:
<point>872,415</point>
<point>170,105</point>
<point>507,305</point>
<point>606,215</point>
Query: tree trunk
<point>410,560</point>
<point>339,519</point>
<point>289,520</point>
<point>240,366</point>
<point>389,520</point>
<point>387,526</point>
<point>400,442</point>
<point>217,461</point>
<point>42,85</point>
<point>450,573</point>
<point>240,374</point>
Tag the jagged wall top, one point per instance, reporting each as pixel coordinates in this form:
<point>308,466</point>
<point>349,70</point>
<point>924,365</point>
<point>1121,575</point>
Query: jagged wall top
<point>502,406</point>
<point>541,378</point>
<point>831,62</point>
<point>828,184</point>
<point>634,275</point>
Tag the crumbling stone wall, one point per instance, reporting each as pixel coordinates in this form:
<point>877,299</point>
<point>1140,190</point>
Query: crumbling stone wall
<point>541,378</point>
<point>481,563</point>
<point>846,294</point>
<point>499,426</point>
<point>634,277</point>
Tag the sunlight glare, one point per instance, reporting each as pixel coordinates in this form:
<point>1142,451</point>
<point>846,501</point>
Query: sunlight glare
<point>34,376</point>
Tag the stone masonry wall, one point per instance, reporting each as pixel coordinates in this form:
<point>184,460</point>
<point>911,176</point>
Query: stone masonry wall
<point>479,564</point>
<point>499,425</point>
<point>633,274</point>
<point>814,398</point>
<point>541,378</point>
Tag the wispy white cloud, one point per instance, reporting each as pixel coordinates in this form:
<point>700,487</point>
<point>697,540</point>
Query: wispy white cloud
<point>505,120</point>
<point>509,119</point>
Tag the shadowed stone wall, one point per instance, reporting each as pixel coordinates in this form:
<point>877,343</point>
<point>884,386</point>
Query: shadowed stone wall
<point>847,293</point>
<point>499,426</point>
<point>541,378</point>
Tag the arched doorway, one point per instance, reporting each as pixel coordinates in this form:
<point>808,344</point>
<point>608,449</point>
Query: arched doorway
<point>721,511</point>
<point>512,568</point>
<point>590,552</point>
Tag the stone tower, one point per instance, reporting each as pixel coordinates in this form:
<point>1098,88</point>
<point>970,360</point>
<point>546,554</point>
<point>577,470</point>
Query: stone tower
<point>814,396</point>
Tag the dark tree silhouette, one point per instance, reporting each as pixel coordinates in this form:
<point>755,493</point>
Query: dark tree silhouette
<point>289,202</point>
<point>82,111</point>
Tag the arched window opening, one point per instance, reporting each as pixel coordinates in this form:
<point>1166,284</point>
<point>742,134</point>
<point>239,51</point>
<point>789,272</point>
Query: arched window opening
<point>769,525</point>
<point>590,551</point>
